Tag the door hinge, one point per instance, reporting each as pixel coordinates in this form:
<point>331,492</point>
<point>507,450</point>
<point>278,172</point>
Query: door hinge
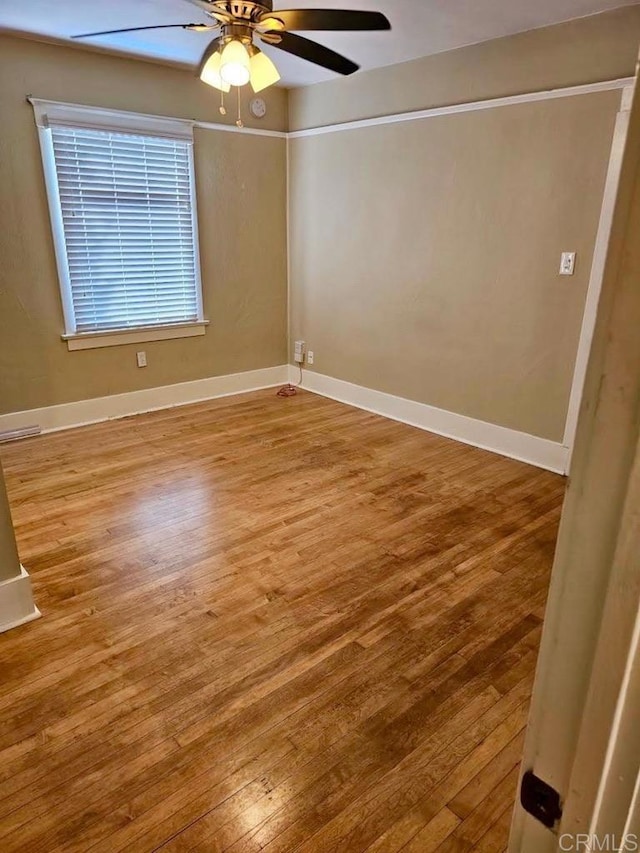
<point>540,800</point>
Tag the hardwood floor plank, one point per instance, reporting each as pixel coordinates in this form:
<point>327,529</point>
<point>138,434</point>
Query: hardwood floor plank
<point>437,830</point>
<point>269,625</point>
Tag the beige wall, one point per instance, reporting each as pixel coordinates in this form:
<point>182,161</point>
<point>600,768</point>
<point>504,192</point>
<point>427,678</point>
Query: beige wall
<point>241,189</point>
<point>425,255</point>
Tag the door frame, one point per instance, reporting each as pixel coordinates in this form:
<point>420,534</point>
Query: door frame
<point>580,737</point>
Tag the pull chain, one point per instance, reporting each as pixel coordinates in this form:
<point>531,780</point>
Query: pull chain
<point>223,109</point>
<point>239,123</point>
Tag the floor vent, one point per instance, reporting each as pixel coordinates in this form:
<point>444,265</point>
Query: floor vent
<point>15,434</point>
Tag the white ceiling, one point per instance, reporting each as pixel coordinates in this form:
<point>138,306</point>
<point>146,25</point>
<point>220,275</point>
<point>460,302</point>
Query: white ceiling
<point>420,27</point>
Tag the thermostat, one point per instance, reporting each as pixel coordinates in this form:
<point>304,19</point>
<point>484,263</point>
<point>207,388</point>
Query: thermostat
<point>258,108</point>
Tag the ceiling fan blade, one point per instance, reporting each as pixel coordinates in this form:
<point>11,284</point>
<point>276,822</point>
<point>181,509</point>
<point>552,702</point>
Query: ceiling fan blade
<point>328,19</point>
<point>311,51</point>
<point>211,49</point>
<point>200,27</point>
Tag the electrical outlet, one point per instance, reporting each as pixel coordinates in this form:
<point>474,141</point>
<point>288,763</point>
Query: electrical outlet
<point>141,358</point>
<point>310,357</point>
<point>299,352</point>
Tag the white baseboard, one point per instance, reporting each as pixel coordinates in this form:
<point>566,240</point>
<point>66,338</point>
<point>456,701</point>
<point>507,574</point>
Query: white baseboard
<point>541,452</point>
<point>66,415</point>
<point>16,602</point>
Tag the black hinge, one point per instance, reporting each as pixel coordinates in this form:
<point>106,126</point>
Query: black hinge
<point>540,800</point>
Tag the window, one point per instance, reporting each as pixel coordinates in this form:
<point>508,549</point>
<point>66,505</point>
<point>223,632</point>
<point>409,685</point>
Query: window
<point>122,203</point>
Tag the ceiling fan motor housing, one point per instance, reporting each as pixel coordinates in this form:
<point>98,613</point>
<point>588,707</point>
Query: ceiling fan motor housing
<point>238,32</point>
<point>244,9</point>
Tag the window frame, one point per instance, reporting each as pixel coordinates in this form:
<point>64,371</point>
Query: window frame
<point>94,118</point>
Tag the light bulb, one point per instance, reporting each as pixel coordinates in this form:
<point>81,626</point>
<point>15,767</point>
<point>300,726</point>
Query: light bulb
<point>210,73</point>
<point>234,64</point>
<point>263,72</point>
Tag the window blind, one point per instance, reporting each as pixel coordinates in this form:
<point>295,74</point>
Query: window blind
<point>128,220</point>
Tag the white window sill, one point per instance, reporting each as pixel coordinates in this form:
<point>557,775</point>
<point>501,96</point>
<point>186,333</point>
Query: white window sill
<point>118,337</point>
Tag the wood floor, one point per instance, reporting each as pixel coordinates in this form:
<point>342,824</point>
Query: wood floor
<point>270,625</point>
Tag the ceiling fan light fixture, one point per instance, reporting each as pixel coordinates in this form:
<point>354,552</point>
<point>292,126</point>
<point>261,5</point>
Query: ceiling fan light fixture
<point>263,72</point>
<point>235,64</point>
<point>210,73</point>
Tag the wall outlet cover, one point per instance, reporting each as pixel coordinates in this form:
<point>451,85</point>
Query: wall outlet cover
<point>567,263</point>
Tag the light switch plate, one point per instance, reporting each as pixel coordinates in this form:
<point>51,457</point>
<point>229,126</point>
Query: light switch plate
<point>567,263</point>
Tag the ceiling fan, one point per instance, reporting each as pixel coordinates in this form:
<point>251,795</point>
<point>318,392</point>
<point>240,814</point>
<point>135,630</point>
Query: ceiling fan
<point>233,58</point>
